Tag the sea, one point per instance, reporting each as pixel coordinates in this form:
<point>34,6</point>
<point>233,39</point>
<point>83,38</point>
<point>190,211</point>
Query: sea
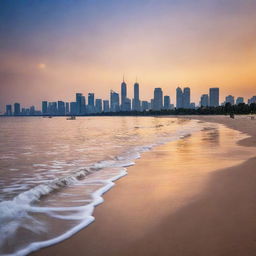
<point>54,171</point>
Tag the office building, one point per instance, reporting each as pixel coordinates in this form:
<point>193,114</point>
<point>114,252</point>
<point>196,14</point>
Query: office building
<point>16,109</point>
<point>44,107</point>
<point>214,97</point>
<point>144,105</point>
<point>252,100</point>
<point>239,100</point>
<point>106,106</point>
<point>73,108</point>
<point>167,102</point>
<point>179,98</point>
<point>8,110</point>
<point>114,101</point>
<point>127,105</point>
<point>136,99</point>
<point>79,103</point>
<point>230,99</point>
<point>204,101</point>
<point>123,94</point>
<point>90,106</point>
<point>158,99</point>
<point>186,97</point>
<point>67,108</point>
<point>52,108</point>
<point>61,108</point>
<point>98,105</point>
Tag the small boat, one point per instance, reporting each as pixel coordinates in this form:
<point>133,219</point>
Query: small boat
<point>71,118</point>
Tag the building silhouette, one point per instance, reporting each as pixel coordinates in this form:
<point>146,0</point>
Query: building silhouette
<point>106,106</point>
<point>204,101</point>
<point>123,94</point>
<point>186,98</point>
<point>44,107</point>
<point>214,97</point>
<point>158,99</point>
<point>16,109</point>
<point>114,101</point>
<point>8,110</point>
<point>136,99</point>
<point>179,98</point>
<point>61,108</point>
<point>167,102</point>
<point>239,100</point>
<point>230,99</point>
<point>98,105</point>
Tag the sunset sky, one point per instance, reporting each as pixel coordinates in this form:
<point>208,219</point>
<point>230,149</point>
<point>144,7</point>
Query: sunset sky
<point>51,49</point>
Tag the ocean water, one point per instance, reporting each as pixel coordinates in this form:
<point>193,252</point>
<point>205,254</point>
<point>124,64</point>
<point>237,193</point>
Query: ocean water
<point>53,172</point>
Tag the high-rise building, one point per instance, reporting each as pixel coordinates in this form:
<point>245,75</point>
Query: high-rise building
<point>8,110</point>
<point>144,105</point>
<point>179,98</point>
<point>32,111</point>
<point>98,105</point>
<point>230,99</point>
<point>114,101</point>
<point>186,97</point>
<point>167,102</point>
<point>16,109</point>
<point>67,108</point>
<point>90,106</point>
<point>127,105</point>
<point>123,94</point>
<point>44,107</point>
<point>239,100</point>
<point>214,97</point>
<point>73,108</point>
<point>106,106</point>
<point>61,108</point>
<point>79,103</point>
<point>52,108</point>
<point>158,99</point>
<point>136,99</point>
<point>204,101</point>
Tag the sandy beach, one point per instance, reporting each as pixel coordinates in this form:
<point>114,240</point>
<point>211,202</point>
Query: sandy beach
<point>182,198</point>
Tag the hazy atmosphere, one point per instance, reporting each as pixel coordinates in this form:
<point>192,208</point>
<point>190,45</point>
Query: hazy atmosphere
<point>52,49</point>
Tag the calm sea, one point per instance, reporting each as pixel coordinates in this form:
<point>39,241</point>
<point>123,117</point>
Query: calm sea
<point>54,171</point>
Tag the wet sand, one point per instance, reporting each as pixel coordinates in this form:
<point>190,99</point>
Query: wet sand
<point>195,196</point>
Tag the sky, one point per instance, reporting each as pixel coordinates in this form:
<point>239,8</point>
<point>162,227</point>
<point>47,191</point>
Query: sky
<point>49,50</point>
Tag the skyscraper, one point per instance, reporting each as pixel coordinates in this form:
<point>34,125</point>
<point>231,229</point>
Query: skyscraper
<point>167,102</point>
<point>106,106</point>
<point>8,110</point>
<point>204,101</point>
<point>214,97</point>
<point>44,107</point>
<point>90,106</point>
<point>98,105</point>
<point>136,99</point>
<point>123,94</point>
<point>179,98</point>
<point>144,105</point>
<point>73,108</point>
<point>16,109</point>
<point>67,108</point>
<point>186,97</point>
<point>158,99</point>
<point>61,108</point>
<point>79,103</point>
<point>230,99</point>
<point>127,105</point>
<point>114,101</point>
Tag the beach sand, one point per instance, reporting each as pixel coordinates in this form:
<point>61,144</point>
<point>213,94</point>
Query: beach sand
<point>182,198</point>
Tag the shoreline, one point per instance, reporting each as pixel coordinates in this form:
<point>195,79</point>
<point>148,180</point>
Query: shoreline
<point>129,234</point>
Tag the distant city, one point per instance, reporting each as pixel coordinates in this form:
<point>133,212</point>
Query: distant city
<point>124,104</point>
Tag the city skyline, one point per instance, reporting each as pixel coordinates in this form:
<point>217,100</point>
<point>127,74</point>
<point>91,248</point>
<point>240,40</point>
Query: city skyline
<point>119,101</point>
<point>53,50</point>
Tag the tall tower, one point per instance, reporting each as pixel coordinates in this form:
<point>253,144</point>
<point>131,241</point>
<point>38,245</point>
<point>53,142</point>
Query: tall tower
<point>136,99</point>
<point>158,99</point>
<point>186,97</point>
<point>214,97</point>
<point>179,98</point>
<point>123,94</point>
